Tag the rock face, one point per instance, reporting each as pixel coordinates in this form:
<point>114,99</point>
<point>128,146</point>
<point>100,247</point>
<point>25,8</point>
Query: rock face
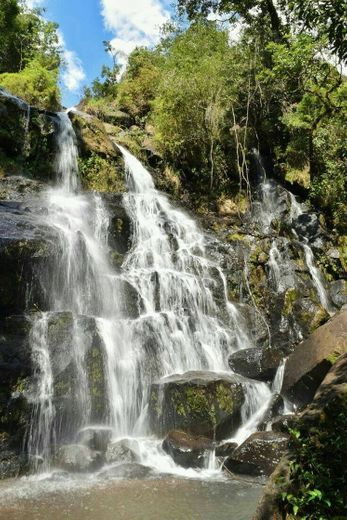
<point>259,454</point>
<point>310,362</point>
<point>186,450</point>
<point>255,363</point>
<point>199,403</point>
<point>322,440</point>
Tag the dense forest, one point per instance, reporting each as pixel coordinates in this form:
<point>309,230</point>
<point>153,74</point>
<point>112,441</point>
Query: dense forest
<point>233,89</point>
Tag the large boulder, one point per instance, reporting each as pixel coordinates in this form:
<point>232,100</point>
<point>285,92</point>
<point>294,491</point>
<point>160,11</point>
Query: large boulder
<point>259,454</point>
<point>256,363</point>
<point>123,451</point>
<point>97,438</point>
<point>77,458</point>
<point>199,403</point>
<point>186,450</point>
<point>307,366</point>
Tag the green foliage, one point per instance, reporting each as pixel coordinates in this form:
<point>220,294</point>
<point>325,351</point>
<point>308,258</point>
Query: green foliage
<point>328,18</point>
<point>102,175</point>
<point>26,36</point>
<point>318,478</point>
<point>35,84</point>
<point>138,87</point>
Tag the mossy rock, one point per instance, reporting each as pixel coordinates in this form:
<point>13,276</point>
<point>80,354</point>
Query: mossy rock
<point>199,403</point>
<point>92,136</point>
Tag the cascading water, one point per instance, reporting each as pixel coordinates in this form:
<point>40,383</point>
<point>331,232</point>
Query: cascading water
<point>183,319</point>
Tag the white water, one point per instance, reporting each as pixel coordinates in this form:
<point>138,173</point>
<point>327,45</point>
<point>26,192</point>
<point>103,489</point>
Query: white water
<point>184,322</point>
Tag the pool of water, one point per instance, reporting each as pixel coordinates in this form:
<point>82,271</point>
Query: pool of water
<point>154,499</point>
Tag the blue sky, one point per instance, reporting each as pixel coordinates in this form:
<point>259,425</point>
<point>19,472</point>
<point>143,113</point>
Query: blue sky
<point>84,24</point>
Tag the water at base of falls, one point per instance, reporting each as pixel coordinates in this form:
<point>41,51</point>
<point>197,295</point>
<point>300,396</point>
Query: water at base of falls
<point>183,314</point>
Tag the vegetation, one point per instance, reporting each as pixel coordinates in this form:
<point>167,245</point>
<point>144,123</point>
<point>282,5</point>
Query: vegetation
<point>30,55</point>
<point>207,101</point>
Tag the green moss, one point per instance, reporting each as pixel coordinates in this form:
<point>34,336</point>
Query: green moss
<point>235,237</point>
<point>225,398</point>
<point>289,301</point>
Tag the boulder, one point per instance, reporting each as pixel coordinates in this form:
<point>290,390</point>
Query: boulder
<point>121,452</point>
<point>275,408</point>
<point>226,449</point>
<point>77,458</point>
<point>259,454</point>
<point>186,450</point>
<point>255,363</point>
<point>96,438</point>
<point>338,292</point>
<point>283,423</point>
<point>199,403</point>
<point>307,366</point>
<point>19,188</point>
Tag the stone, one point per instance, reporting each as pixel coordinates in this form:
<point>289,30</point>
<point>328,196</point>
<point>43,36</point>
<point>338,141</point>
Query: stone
<point>199,403</point>
<point>311,360</point>
<point>77,458</point>
<point>96,438</point>
<point>226,449</point>
<point>92,136</point>
<point>186,450</point>
<point>122,451</point>
<point>255,363</point>
<point>338,293</point>
<point>19,188</point>
<point>259,454</point>
<point>275,408</point>
<point>283,423</point>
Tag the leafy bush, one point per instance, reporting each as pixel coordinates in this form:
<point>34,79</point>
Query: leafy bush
<point>35,84</point>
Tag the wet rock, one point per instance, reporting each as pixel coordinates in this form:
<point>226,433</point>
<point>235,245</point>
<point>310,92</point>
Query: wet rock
<point>26,247</point>
<point>77,458</point>
<point>275,408</point>
<point>13,463</point>
<point>120,226</point>
<point>259,454</point>
<point>283,424</point>
<point>19,188</point>
<point>338,292</point>
<point>129,471</point>
<point>121,451</point>
<point>308,227</point>
<point>96,438</point>
<point>186,450</point>
<point>226,449</point>
<point>255,363</point>
<point>307,366</point>
<point>199,403</point>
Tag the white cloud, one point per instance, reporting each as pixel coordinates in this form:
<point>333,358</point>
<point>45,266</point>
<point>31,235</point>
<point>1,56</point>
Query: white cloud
<point>31,4</point>
<point>73,73</point>
<point>134,22</point>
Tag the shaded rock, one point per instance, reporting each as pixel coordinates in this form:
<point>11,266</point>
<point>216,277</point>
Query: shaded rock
<point>199,403</point>
<point>121,451</point>
<point>307,366</point>
<point>255,363</point>
<point>126,471</point>
<point>78,458</point>
<point>226,449</point>
<point>275,408</point>
<point>120,226</point>
<point>96,438</point>
<point>12,462</point>
<point>338,292</point>
<point>259,454</point>
<point>284,423</point>
<point>186,450</point>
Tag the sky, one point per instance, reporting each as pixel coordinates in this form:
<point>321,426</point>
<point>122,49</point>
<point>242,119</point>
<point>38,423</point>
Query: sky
<point>85,24</point>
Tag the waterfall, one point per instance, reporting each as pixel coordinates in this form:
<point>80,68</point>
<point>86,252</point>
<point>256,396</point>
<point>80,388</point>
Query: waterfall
<point>184,320</point>
<point>295,212</point>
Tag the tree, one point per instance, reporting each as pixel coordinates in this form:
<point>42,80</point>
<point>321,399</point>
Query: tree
<point>249,10</point>
<point>327,18</point>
